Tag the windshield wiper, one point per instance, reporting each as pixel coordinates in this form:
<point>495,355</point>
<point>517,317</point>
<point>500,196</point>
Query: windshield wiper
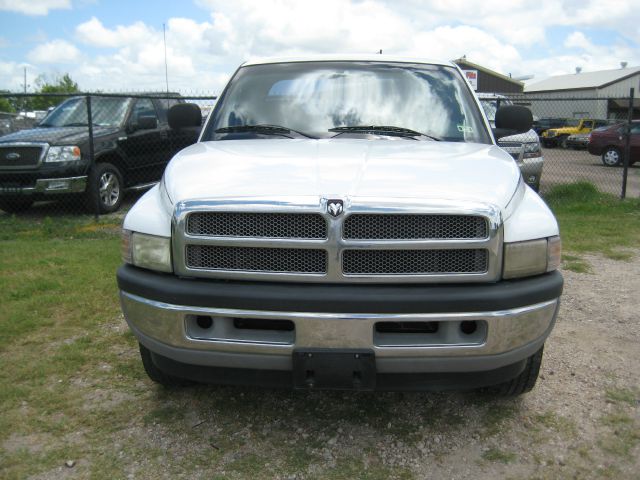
<point>262,129</point>
<point>383,130</point>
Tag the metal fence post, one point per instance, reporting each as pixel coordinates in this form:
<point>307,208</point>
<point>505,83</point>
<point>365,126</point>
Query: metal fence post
<point>96,205</point>
<point>627,145</point>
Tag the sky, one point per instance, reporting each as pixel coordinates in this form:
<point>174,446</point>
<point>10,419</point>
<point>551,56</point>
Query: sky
<point>118,46</point>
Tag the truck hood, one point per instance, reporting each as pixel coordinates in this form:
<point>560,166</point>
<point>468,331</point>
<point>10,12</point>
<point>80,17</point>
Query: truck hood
<point>343,168</point>
<point>57,136</point>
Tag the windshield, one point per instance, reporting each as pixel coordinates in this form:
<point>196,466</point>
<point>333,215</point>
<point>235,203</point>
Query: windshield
<point>572,123</point>
<point>314,97</point>
<point>108,112</point>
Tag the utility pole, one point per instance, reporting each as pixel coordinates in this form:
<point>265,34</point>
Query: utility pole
<point>25,79</point>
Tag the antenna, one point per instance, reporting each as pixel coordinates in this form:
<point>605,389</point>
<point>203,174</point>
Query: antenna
<point>166,70</point>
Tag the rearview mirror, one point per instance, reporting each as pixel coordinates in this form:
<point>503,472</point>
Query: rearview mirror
<point>184,115</point>
<point>511,120</point>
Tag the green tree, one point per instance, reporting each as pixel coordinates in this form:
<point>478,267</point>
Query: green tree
<point>64,84</point>
<point>5,105</point>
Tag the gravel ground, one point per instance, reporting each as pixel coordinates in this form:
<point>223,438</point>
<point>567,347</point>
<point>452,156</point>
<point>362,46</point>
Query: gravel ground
<point>581,421</point>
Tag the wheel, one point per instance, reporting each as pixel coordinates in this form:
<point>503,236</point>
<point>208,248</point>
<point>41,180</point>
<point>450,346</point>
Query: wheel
<point>547,143</point>
<point>611,157</point>
<point>106,189</point>
<point>157,375</point>
<point>524,382</point>
<point>15,204</point>
<point>562,141</point>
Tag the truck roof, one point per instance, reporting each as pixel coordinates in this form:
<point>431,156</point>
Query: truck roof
<point>347,57</point>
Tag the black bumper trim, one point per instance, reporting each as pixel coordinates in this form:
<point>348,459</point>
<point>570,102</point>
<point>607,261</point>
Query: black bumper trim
<point>429,381</point>
<point>339,298</point>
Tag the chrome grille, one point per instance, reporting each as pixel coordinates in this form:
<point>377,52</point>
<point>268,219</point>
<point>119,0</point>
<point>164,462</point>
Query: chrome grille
<point>290,239</point>
<point>260,225</point>
<point>414,262</point>
<point>277,260</point>
<point>414,227</point>
<point>20,155</point>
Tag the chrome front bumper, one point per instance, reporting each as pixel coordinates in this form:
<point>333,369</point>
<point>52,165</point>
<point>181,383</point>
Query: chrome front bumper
<point>501,338</point>
<point>49,186</point>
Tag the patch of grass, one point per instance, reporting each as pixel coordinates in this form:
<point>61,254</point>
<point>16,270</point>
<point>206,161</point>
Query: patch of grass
<point>497,455</point>
<point>624,435</point>
<point>496,415</point>
<point>592,221</point>
<point>622,395</point>
<point>555,422</point>
<point>575,264</point>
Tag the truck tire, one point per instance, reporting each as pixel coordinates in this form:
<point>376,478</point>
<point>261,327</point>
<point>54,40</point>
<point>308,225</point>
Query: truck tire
<point>15,204</point>
<point>524,382</point>
<point>157,375</point>
<point>106,188</point>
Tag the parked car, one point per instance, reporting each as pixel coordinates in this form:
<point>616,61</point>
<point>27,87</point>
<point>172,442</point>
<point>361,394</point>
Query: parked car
<point>132,144</point>
<point>524,148</point>
<point>343,223</point>
<point>610,143</point>
<point>543,124</point>
<point>577,141</point>
<point>557,137</point>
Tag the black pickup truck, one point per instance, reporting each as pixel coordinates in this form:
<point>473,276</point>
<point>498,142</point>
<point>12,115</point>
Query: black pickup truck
<point>132,145</point>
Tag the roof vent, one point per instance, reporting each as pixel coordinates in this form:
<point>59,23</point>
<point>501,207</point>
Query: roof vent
<point>578,70</point>
<point>623,64</point>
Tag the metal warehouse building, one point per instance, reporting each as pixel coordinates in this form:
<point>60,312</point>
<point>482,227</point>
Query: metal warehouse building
<point>487,81</point>
<point>602,95</point>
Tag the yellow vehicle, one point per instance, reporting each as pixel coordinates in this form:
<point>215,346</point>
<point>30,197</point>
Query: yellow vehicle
<point>554,137</point>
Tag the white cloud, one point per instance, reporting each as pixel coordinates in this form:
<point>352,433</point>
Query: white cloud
<point>34,7</point>
<point>203,52</point>
<point>56,51</point>
<point>578,40</point>
<point>94,33</point>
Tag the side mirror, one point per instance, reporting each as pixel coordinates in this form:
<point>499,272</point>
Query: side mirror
<point>146,122</point>
<point>511,120</point>
<point>185,115</point>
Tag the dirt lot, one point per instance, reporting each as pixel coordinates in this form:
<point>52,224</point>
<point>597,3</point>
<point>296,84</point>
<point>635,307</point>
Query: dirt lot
<point>581,421</point>
<point>567,166</point>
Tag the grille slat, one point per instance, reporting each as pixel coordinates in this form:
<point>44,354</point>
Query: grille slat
<point>257,225</point>
<point>414,262</point>
<point>414,227</point>
<point>250,259</point>
<point>27,156</point>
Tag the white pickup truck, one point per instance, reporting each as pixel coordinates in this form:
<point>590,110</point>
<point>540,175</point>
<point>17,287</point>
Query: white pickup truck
<point>343,223</point>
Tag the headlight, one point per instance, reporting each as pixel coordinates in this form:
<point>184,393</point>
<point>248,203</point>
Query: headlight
<point>63,154</point>
<point>524,259</point>
<point>550,133</point>
<point>146,251</point>
<point>531,149</point>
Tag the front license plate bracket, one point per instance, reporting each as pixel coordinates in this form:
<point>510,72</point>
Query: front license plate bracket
<point>332,369</point>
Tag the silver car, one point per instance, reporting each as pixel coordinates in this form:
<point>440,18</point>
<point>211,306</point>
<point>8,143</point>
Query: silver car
<point>524,147</point>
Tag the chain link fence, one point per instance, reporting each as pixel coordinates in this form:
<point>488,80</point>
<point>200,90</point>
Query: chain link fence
<point>91,152</point>
<point>591,139</point>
